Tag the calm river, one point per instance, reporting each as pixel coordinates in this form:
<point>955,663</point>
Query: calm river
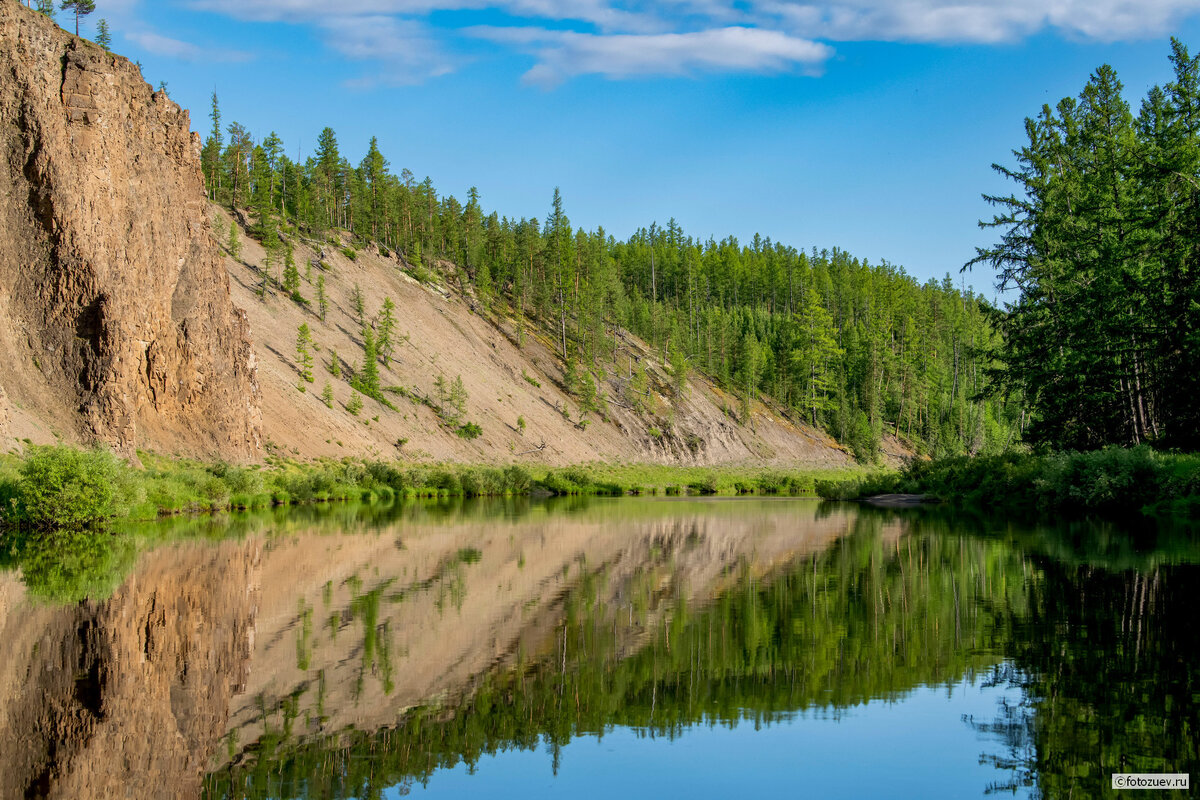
<point>599,649</point>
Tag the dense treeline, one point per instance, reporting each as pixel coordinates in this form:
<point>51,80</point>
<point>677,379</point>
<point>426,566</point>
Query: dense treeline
<point>1102,241</point>
<point>859,349</point>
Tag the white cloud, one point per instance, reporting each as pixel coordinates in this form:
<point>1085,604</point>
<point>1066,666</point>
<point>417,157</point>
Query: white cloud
<point>564,54</point>
<point>627,38</point>
<point>980,21</point>
<point>604,14</point>
<point>403,49</point>
<point>161,45</point>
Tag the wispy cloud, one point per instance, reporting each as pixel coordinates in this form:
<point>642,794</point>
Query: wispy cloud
<point>628,38</point>
<point>977,21</point>
<point>565,54</point>
<point>403,50</point>
<point>161,45</point>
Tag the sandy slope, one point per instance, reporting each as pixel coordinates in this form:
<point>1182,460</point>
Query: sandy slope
<point>448,334</point>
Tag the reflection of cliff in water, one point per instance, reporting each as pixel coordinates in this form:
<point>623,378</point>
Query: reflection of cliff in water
<point>206,648</point>
<point>126,697</point>
<point>333,659</point>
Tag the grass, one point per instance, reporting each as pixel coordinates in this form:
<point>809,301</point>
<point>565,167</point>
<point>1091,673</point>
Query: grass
<point>50,488</point>
<point>1113,482</point>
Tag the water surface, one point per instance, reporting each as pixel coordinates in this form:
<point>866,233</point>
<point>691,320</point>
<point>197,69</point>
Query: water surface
<point>584,648</point>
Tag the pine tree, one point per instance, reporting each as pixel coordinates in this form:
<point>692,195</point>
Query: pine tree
<point>46,7</point>
<point>210,156</point>
<point>335,366</point>
<point>80,8</point>
<point>327,395</point>
<point>304,351</point>
<point>103,35</point>
<point>358,303</point>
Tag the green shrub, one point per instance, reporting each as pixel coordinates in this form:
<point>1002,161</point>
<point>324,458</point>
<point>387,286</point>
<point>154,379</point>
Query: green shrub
<point>61,487</point>
<point>469,431</point>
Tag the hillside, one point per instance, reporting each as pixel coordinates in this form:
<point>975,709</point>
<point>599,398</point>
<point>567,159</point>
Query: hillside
<point>126,320</point>
<point>444,332</point>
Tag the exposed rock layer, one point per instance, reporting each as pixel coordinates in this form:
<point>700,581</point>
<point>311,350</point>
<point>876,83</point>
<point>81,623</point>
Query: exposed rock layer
<point>116,323</point>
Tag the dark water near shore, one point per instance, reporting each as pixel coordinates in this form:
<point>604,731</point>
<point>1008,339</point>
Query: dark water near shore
<point>600,648</point>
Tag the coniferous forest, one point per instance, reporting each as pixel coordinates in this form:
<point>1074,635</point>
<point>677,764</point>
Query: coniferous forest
<point>859,349</point>
<point>1102,241</point>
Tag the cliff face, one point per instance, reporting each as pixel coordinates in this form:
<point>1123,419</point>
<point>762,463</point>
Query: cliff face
<point>116,323</point>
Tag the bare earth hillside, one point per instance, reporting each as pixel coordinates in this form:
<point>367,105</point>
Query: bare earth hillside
<point>124,320</point>
<point>443,332</point>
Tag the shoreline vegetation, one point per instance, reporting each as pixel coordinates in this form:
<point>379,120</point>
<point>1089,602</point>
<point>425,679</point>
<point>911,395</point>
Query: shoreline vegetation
<point>61,487</point>
<point>1114,482</point>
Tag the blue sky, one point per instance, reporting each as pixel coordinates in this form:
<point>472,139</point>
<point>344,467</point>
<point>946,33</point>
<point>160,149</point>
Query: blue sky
<point>863,124</point>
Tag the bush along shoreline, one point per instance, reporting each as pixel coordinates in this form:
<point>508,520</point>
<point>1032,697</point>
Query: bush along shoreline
<point>1115,482</point>
<point>58,487</point>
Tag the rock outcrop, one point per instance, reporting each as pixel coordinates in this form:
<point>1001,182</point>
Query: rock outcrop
<point>116,323</point>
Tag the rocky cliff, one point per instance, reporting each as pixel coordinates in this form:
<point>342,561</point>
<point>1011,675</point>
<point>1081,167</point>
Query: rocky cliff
<point>116,323</point>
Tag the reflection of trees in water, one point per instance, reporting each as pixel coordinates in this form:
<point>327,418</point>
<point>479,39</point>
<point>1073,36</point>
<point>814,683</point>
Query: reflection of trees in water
<point>874,616</point>
<point>1110,669</point>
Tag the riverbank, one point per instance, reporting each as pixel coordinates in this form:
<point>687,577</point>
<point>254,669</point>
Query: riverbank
<point>1113,482</point>
<point>51,487</point>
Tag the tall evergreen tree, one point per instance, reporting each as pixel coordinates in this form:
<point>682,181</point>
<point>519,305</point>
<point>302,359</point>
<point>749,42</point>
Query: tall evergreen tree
<point>79,8</point>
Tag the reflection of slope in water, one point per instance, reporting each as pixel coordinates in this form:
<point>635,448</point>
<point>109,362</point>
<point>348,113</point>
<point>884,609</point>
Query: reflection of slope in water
<point>316,630</point>
<point>353,630</point>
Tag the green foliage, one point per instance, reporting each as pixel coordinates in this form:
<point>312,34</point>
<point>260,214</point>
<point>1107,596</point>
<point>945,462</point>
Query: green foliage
<point>386,325</point>
<point>304,352</point>
<point>534,382</point>
<point>1099,242</point>
<point>327,395</point>
<point>355,404</point>
<point>819,333</point>
<point>359,304</point>
<point>469,430</point>
<point>103,34</point>
<point>79,8</point>
<point>235,242</point>
<point>322,298</point>
<point>335,365</point>
<point>62,487</point>
<point>366,380</point>
<point>521,425</point>
<point>451,401</point>
<point>1115,482</point>
<point>68,566</point>
<point>291,275</point>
